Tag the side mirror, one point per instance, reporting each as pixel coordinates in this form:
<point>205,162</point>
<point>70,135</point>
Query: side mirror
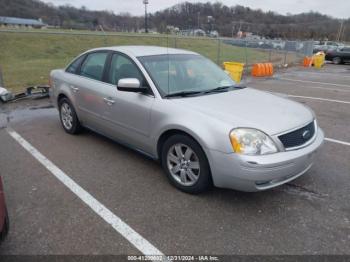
<point>130,85</point>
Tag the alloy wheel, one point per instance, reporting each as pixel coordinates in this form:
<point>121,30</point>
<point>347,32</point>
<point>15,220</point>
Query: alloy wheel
<point>66,116</point>
<point>183,164</point>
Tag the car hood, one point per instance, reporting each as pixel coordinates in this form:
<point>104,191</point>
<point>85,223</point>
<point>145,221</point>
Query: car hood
<point>251,108</point>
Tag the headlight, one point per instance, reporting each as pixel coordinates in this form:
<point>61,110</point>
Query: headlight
<point>249,141</point>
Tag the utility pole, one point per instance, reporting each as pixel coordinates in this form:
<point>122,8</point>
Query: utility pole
<point>340,30</point>
<point>145,2</point>
<point>343,33</point>
<point>198,15</point>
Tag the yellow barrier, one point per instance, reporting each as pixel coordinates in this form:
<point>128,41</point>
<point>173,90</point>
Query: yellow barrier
<point>235,69</point>
<point>318,59</point>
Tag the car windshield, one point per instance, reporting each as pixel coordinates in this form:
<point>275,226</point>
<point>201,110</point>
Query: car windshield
<point>185,74</point>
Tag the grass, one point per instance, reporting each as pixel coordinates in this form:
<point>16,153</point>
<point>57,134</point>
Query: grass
<point>27,58</point>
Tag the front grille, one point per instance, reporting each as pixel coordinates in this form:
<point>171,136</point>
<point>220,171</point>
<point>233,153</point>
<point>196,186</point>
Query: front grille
<point>298,137</point>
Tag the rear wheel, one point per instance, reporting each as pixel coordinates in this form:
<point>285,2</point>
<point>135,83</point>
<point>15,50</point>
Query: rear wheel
<point>68,117</point>
<point>186,164</point>
<point>337,60</point>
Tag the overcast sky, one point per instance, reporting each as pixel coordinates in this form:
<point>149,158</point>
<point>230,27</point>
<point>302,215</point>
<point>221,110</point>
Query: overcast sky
<point>335,8</point>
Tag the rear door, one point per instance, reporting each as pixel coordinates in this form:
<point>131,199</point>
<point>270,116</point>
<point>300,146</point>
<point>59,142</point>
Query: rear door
<point>90,88</point>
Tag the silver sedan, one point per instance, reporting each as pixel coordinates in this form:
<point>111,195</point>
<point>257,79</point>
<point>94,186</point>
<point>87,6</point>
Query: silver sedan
<point>180,108</point>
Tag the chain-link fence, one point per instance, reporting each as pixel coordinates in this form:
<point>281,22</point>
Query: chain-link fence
<point>27,57</point>
<point>277,52</point>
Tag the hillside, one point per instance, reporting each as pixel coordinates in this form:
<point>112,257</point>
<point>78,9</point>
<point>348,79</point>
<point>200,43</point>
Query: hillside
<point>185,16</point>
<point>227,19</point>
<point>66,16</point>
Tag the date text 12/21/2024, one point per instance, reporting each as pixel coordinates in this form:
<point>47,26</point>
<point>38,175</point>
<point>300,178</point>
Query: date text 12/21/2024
<point>173,258</point>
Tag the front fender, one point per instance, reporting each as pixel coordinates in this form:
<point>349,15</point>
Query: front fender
<point>209,132</point>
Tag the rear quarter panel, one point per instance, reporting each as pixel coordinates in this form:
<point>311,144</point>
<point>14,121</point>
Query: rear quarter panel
<point>60,85</point>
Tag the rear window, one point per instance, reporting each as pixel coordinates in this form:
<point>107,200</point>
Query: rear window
<point>73,67</point>
<point>93,66</point>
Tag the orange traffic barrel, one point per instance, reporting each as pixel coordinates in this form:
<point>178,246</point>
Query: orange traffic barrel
<point>307,62</point>
<point>262,69</point>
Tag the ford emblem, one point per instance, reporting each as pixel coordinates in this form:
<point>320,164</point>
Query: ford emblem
<point>306,134</point>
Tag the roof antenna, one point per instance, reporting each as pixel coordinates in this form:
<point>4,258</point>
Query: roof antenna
<point>167,50</point>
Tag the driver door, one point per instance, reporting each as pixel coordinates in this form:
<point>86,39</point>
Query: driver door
<point>129,115</point>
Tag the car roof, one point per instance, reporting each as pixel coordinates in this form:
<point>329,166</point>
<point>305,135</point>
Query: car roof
<point>142,50</point>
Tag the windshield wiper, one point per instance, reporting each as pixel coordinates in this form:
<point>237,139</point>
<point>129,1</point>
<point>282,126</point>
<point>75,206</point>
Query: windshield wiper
<point>222,89</point>
<point>219,89</point>
<point>183,93</point>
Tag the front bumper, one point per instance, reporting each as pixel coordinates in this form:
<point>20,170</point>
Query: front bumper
<point>256,173</point>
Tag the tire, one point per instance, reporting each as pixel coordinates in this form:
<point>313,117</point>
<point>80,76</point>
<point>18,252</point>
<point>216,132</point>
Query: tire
<point>68,117</point>
<point>337,60</point>
<point>6,227</point>
<point>189,172</point>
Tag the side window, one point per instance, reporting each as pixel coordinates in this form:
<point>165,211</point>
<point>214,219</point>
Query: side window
<point>123,67</point>
<point>93,65</point>
<point>73,67</point>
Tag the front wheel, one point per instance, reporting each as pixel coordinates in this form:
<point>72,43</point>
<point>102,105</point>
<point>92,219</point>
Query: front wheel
<point>337,60</point>
<point>186,164</point>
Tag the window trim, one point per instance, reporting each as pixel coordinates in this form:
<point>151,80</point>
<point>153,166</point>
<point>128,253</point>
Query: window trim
<point>79,65</point>
<point>103,79</point>
<point>151,93</point>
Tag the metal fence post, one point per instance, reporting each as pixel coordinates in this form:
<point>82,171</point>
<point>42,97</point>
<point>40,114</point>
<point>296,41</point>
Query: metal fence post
<point>285,57</point>
<point>246,52</point>
<point>310,48</point>
<point>219,51</point>
<point>1,78</point>
<point>270,51</point>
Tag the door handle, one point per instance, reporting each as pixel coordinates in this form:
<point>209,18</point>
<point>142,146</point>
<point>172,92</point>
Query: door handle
<point>109,101</point>
<point>75,89</point>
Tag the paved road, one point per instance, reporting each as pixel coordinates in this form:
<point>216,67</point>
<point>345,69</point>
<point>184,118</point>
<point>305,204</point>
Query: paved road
<point>310,215</point>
